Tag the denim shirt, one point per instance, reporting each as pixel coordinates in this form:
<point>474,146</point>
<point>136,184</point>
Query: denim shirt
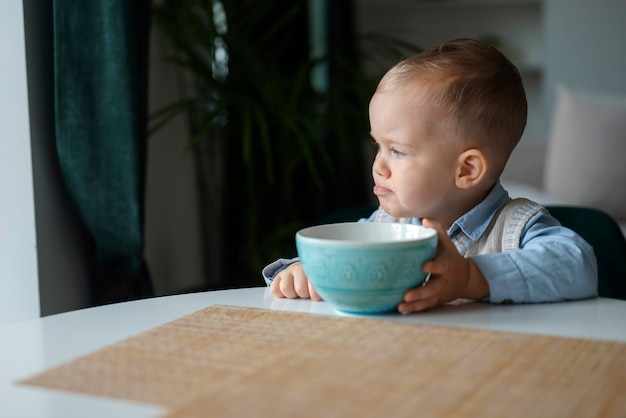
<point>552,264</point>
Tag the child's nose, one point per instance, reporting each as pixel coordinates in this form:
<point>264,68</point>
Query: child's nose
<point>380,168</point>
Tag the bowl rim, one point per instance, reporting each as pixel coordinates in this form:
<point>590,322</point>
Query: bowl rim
<point>431,234</point>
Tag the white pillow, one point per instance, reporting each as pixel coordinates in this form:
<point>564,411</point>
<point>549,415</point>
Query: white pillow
<point>586,154</point>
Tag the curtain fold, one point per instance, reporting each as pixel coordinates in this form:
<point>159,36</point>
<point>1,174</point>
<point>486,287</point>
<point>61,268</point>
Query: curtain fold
<point>100,77</point>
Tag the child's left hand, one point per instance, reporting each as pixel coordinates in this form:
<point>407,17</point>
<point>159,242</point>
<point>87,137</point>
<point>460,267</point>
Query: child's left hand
<point>452,277</point>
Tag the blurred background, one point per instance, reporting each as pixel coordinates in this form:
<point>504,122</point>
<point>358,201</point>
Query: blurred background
<point>250,122</point>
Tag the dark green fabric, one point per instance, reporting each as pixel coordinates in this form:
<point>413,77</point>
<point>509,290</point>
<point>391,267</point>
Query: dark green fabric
<point>100,73</point>
<point>596,227</point>
<point>607,240</point>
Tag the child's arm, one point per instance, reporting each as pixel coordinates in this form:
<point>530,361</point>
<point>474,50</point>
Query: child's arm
<point>452,277</point>
<point>292,283</point>
<point>552,264</point>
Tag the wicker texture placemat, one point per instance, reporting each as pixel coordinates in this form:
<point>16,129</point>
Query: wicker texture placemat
<point>235,361</point>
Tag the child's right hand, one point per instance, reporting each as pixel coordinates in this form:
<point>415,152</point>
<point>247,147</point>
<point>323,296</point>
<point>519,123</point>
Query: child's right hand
<point>292,283</point>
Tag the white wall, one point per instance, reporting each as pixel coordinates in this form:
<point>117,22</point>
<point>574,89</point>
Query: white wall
<point>19,288</point>
<point>63,244</point>
<point>173,235</point>
<point>516,25</point>
<point>584,45</point>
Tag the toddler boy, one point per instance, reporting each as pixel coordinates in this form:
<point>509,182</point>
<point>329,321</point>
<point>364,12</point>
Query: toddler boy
<point>445,122</point>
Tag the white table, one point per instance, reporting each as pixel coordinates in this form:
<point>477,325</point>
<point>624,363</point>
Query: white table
<point>30,347</point>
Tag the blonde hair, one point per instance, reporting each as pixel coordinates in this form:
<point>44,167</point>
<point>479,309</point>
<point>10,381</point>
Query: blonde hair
<point>478,91</point>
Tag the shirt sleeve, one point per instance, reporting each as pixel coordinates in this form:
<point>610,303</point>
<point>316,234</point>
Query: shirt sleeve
<point>271,270</point>
<point>552,264</point>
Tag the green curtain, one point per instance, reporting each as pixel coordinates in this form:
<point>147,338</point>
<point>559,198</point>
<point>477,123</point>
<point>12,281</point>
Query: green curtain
<point>100,77</point>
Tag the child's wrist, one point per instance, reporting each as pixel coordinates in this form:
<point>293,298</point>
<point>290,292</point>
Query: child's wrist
<point>477,285</point>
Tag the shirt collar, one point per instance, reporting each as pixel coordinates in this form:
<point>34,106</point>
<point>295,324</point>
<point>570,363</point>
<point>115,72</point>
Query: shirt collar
<point>474,222</point>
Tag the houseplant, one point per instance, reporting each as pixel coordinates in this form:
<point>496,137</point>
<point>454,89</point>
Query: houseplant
<point>274,153</point>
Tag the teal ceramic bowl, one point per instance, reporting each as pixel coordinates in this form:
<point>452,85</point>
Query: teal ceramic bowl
<point>365,267</point>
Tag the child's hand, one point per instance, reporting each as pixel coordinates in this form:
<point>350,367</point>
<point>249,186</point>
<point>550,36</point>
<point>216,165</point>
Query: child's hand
<point>452,277</point>
<point>292,283</point>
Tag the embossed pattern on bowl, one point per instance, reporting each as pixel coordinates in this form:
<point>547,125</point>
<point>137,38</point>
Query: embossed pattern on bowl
<point>365,267</point>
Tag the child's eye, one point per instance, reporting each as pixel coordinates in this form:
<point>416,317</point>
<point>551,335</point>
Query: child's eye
<point>395,152</point>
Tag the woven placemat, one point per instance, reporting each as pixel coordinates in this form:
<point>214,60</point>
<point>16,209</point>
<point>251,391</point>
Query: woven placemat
<point>235,361</point>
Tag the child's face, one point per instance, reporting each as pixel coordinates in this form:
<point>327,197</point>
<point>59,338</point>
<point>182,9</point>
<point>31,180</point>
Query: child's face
<point>415,166</point>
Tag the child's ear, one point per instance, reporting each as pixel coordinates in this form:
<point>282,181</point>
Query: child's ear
<point>471,169</point>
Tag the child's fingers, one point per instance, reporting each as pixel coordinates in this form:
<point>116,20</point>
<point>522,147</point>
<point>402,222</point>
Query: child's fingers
<point>444,243</point>
<point>285,287</point>
<point>432,289</point>
<point>314,295</point>
<point>301,287</point>
<point>437,227</point>
<point>423,297</point>
<point>292,283</point>
<point>419,305</point>
<point>437,266</point>
<point>275,287</point>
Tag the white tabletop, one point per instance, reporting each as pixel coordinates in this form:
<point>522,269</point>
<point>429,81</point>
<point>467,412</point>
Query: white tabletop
<point>30,347</point>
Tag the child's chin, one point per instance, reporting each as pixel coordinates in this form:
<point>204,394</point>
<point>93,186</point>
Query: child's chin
<point>391,211</point>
